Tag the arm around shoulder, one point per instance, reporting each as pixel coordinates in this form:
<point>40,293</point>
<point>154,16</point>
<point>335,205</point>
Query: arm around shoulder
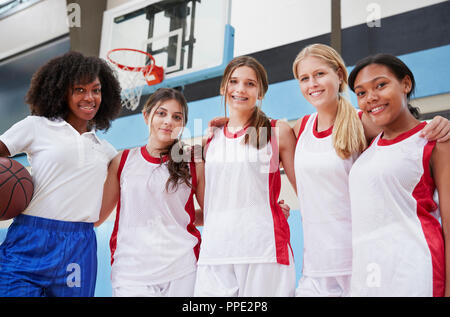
<point>200,192</point>
<point>287,141</point>
<point>111,190</point>
<point>438,129</point>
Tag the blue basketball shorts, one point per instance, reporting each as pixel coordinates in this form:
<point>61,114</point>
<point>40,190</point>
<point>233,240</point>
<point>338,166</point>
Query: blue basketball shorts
<point>45,257</point>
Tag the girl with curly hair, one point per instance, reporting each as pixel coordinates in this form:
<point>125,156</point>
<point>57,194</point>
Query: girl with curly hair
<point>50,249</point>
<point>154,244</point>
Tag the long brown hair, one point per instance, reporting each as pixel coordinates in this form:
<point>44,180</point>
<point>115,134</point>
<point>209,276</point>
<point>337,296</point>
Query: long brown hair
<point>178,168</point>
<point>348,131</point>
<point>258,120</point>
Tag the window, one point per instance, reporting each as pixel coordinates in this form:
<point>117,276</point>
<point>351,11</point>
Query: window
<point>9,7</point>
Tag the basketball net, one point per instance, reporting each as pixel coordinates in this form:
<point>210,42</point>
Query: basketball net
<point>135,69</point>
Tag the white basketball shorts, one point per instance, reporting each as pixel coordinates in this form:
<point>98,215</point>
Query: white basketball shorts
<point>246,280</point>
<point>181,287</point>
<point>328,286</point>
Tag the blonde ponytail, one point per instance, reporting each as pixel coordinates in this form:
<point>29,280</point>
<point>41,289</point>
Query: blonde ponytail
<point>348,131</point>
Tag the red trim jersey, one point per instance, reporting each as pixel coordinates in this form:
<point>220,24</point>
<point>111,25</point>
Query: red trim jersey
<point>322,186</point>
<point>154,239</point>
<point>398,246</point>
<point>243,222</point>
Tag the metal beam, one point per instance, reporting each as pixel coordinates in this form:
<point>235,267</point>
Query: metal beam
<point>336,31</point>
<point>86,38</point>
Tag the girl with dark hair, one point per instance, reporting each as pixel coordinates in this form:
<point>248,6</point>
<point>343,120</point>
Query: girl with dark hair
<point>397,67</point>
<point>155,244</point>
<point>398,240</point>
<point>65,76</point>
<point>246,240</point>
<point>50,249</point>
<point>328,143</point>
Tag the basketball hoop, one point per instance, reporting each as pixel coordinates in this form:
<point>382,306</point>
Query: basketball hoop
<point>135,69</point>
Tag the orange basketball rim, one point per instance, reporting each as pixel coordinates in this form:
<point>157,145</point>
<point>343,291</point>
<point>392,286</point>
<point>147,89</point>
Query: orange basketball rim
<point>152,73</point>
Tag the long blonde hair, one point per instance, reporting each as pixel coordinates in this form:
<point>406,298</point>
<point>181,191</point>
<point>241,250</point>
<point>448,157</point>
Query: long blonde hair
<point>348,131</point>
<point>258,119</point>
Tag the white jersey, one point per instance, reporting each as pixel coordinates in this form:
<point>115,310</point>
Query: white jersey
<point>154,239</point>
<point>243,221</point>
<point>322,186</point>
<point>398,247</point>
<point>68,168</point>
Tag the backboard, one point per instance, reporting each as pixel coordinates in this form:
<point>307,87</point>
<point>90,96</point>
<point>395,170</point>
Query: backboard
<point>191,39</point>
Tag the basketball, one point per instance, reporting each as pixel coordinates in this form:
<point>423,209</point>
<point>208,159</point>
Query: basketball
<point>16,188</point>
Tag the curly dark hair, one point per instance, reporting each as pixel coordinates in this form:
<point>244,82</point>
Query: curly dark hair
<point>50,84</point>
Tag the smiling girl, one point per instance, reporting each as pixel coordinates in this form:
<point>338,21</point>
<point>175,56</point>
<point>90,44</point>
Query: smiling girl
<point>398,240</point>
<point>328,143</point>
<point>154,244</point>
<point>245,240</point>
<point>70,97</point>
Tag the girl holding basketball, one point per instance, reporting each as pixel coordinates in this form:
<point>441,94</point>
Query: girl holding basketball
<point>328,143</point>
<point>155,244</point>
<point>399,246</point>
<point>245,240</point>
<point>50,249</point>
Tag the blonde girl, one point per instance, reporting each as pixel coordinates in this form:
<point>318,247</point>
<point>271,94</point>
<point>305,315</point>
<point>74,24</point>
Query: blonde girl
<point>328,143</point>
